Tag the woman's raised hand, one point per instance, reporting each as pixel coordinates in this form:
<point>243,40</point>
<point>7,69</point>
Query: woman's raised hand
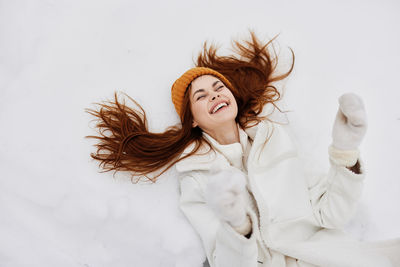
<point>225,195</point>
<point>350,123</point>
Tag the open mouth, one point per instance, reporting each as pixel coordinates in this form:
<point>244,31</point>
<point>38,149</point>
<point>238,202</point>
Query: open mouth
<point>219,107</point>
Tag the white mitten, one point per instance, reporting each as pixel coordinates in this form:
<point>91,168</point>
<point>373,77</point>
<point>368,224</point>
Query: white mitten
<point>225,195</point>
<point>348,130</point>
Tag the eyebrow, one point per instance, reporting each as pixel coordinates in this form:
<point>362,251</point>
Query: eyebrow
<point>202,90</point>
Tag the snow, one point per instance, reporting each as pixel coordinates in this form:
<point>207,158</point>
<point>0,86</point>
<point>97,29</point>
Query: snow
<point>59,57</point>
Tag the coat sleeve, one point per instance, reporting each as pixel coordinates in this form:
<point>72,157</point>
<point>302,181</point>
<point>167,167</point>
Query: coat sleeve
<point>224,247</point>
<point>334,196</point>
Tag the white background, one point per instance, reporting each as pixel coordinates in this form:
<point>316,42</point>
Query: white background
<point>59,57</point>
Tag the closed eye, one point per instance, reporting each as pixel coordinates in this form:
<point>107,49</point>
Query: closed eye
<point>218,89</point>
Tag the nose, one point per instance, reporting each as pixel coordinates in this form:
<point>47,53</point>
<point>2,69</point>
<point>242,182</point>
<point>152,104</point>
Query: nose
<point>215,96</point>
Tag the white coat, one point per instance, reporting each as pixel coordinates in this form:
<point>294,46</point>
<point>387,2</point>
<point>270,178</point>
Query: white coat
<point>299,215</point>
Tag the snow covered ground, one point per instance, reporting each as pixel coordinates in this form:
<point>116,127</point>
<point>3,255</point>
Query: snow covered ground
<point>59,57</point>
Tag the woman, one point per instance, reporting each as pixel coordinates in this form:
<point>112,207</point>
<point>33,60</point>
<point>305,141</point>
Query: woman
<point>242,186</point>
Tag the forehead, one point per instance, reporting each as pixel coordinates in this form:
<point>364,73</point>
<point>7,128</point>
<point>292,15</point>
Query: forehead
<point>203,81</point>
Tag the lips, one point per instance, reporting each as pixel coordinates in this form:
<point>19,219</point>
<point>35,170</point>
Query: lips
<point>216,104</point>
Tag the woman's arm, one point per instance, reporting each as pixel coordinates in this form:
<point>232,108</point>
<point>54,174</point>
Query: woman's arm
<point>223,245</point>
<point>334,196</point>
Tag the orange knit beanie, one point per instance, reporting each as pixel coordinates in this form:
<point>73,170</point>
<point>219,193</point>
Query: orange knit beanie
<point>180,85</point>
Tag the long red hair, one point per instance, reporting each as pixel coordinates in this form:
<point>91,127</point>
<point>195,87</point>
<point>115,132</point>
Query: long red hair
<point>124,142</point>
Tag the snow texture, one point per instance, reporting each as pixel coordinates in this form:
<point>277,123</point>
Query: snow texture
<point>59,57</point>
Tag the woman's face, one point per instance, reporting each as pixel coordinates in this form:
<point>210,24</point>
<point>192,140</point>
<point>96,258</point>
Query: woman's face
<point>212,103</point>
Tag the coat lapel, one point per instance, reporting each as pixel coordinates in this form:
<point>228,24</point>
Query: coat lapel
<point>202,160</point>
<point>271,144</point>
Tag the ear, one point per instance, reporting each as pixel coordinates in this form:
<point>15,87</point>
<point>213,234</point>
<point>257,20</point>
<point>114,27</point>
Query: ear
<point>194,124</point>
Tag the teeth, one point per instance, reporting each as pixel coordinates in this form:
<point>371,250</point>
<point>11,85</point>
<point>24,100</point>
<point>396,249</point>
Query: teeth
<point>219,106</point>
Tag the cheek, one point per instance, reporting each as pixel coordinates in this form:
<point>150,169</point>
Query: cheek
<point>199,111</point>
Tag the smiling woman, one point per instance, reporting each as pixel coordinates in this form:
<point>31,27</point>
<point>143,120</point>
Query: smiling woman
<point>242,185</point>
<point>125,144</point>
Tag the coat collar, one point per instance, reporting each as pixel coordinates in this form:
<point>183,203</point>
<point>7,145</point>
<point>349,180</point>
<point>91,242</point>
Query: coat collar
<point>205,158</point>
